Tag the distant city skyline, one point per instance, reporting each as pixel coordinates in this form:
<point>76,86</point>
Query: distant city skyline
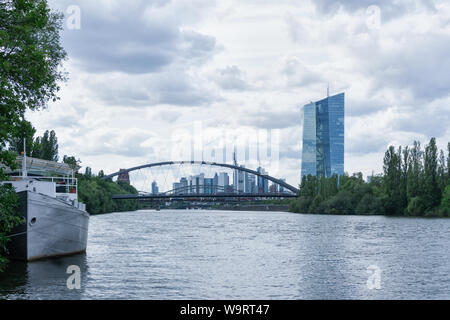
<point>220,182</point>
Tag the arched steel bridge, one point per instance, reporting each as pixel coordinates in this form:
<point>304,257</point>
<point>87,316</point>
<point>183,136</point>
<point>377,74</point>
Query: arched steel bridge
<point>214,164</point>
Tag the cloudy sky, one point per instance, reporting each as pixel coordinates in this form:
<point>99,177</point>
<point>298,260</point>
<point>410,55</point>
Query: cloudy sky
<point>149,77</point>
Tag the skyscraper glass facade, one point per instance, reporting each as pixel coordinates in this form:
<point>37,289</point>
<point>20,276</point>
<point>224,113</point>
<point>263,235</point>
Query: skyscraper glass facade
<point>323,137</point>
<point>309,140</point>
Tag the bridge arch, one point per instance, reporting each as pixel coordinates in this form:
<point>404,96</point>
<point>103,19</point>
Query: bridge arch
<point>214,164</point>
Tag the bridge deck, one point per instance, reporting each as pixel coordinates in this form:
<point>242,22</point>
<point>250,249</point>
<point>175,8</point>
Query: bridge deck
<point>204,195</point>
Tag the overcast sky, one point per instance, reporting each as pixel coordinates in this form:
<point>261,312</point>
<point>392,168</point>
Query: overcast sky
<point>142,72</point>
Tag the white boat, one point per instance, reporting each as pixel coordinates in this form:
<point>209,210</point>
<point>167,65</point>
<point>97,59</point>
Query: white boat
<point>55,223</point>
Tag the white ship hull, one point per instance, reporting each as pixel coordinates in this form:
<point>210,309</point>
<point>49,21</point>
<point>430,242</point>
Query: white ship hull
<point>53,228</point>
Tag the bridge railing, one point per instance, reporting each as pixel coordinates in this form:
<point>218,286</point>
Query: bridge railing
<point>204,196</point>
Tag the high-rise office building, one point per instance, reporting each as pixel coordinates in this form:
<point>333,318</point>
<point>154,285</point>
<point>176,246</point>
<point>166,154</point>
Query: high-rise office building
<point>184,185</point>
<point>155,189</point>
<point>208,186</point>
<point>223,181</point>
<point>177,189</point>
<point>239,183</point>
<point>263,183</point>
<point>251,186</point>
<point>323,137</point>
<point>196,183</point>
<point>247,187</point>
<point>281,189</point>
<point>215,183</point>
<point>273,188</point>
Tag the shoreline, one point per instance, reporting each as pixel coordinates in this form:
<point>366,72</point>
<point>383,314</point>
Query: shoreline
<point>255,207</point>
<point>277,208</point>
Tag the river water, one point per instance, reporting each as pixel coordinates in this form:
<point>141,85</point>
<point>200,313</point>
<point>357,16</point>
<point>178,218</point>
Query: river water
<point>196,254</point>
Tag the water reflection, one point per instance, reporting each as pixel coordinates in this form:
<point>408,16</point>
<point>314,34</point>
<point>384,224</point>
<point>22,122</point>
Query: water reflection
<point>245,255</point>
<point>13,279</point>
<point>44,279</point>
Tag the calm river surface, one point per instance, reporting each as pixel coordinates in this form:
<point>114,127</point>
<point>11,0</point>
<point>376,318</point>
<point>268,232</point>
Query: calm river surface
<point>195,254</point>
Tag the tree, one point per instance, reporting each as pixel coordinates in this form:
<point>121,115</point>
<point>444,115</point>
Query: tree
<point>444,209</point>
<point>72,162</point>
<point>328,187</point>
<point>49,146</point>
<point>309,186</point>
<point>441,172</point>
<point>9,217</point>
<point>431,195</point>
<point>342,203</point>
<point>356,187</point>
<point>97,195</point>
<point>24,130</point>
<point>369,204</point>
<point>417,206</point>
<point>414,183</point>
<point>37,148</point>
<point>448,163</point>
<point>404,178</point>
<point>392,181</point>
<point>300,205</point>
<point>88,172</point>
<point>316,204</point>
<point>30,56</point>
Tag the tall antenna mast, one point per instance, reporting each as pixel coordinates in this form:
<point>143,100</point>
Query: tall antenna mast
<point>328,90</point>
<point>24,159</point>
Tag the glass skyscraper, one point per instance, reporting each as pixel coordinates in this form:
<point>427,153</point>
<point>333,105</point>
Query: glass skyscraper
<point>323,137</point>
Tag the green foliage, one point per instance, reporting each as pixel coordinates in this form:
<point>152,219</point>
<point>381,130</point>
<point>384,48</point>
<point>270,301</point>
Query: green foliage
<point>301,204</point>
<point>45,147</point>
<point>9,217</point>
<point>48,146</point>
<point>444,209</point>
<point>24,130</point>
<point>316,204</point>
<point>72,162</point>
<point>88,172</point>
<point>431,188</point>
<point>97,194</point>
<point>342,203</point>
<point>417,206</point>
<point>30,55</point>
<point>369,204</point>
<point>448,164</point>
<point>414,183</point>
<point>415,172</point>
<point>392,181</point>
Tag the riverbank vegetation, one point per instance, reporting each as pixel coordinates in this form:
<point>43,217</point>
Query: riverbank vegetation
<point>97,194</point>
<point>414,182</point>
